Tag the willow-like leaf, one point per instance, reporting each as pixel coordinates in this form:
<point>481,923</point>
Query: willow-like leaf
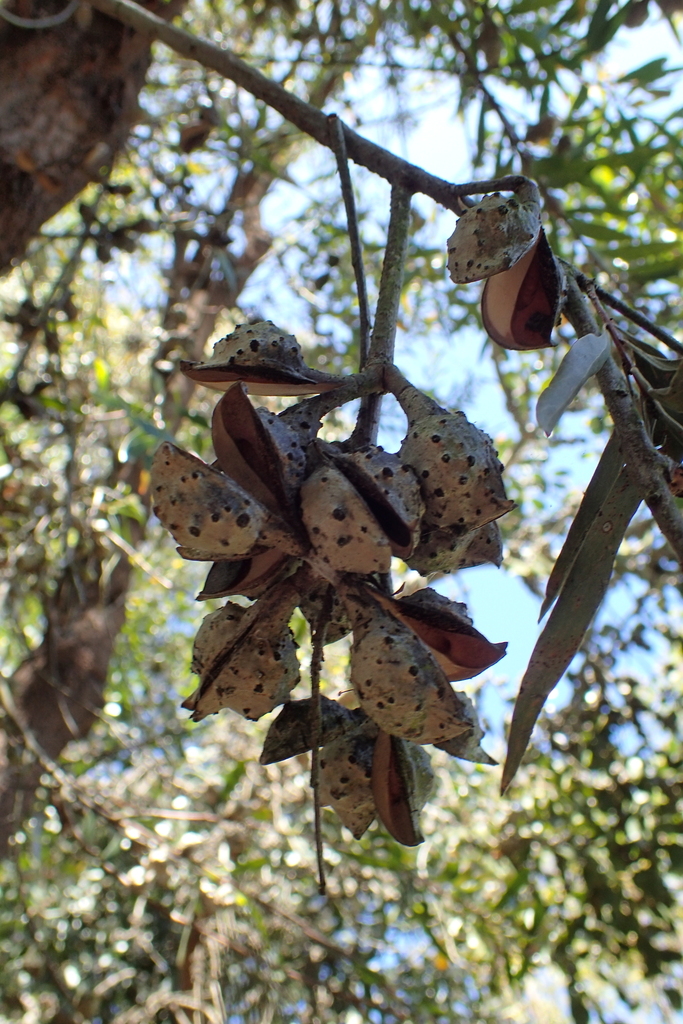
<point>583,359</point>
<point>581,595</point>
<point>601,483</point>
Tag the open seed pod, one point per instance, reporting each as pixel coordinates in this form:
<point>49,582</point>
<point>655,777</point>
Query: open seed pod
<point>338,624</point>
<point>346,775</point>
<point>344,534</point>
<point>398,680</point>
<point>209,514</point>
<point>402,781</point>
<point>249,577</point>
<point>455,462</point>
<point>450,549</point>
<point>261,452</point>
<point>246,658</point>
<point>446,628</point>
<point>521,306</point>
<point>494,235</point>
<point>467,747</point>
<point>390,490</point>
<point>265,358</point>
<point>290,732</point>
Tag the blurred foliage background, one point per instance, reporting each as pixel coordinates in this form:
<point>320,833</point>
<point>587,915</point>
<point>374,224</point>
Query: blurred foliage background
<point>153,871</point>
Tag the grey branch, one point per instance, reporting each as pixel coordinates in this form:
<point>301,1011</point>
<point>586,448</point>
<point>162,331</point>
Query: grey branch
<point>305,116</point>
<point>648,469</point>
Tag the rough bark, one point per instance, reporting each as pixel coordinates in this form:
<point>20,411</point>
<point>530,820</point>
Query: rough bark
<point>68,97</point>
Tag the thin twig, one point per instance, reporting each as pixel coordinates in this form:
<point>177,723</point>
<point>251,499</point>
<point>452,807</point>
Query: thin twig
<point>305,116</point>
<point>391,283</point>
<point>50,21</point>
<point>386,314</point>
<point>317,658</point>
<point>648,469</point>
<point>339,147</point>
<point>357,386</point>
<point>635,316</point>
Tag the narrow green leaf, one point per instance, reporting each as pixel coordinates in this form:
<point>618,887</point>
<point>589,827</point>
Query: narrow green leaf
<point>648,73</point>
<point>601,483</point>
<point>583,359</point>
<point>594,229</point>
<point>581,595</point>
<point>599,29</point>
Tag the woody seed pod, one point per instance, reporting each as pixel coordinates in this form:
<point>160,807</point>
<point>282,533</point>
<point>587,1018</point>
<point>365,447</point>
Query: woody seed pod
<point>290,732</point>
<point>246,658</point>
<point>455,462</point>
<point>210,515</point>
<point>265,358</point>
<point>346,776</point>
<point>451,549</point>
<point>402,781</point>
<point>399,682</point>
<point>344,534</point>
<point>390,490</point>
<point>494,235</point>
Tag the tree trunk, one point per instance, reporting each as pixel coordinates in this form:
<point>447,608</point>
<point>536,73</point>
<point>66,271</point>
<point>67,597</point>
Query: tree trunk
<point>68,97</point>
<point>59,689</point>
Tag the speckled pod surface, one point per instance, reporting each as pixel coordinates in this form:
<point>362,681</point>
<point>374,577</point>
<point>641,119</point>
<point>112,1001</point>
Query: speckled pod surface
<point>346,776</point>
<point>344,534</point>
<point>245,658</point>
<point>290,732</point>
<point>399,683</point>
<point>267,359</point>
<point>451,549</point>
<point>494,235</point>
<point>390,490</point>
<point>208,513</point>
<point>456,464</point>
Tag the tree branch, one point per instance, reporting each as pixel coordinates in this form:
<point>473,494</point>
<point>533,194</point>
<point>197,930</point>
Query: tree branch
<point>647,468</point>
<point>339,147</point>
<point>305,116</point>
<point>384,332</point>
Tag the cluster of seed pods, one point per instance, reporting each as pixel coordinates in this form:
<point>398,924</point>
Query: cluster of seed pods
<point>290,521</point>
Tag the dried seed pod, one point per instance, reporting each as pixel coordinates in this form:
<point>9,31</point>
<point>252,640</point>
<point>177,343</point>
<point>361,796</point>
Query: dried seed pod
<point>290,437</point>
<point>467,748</point>
<point>402,781</point>
<point>246,658</point>
<point>290,733</point>
<point>338,624</point>
<point>521,306</point>
<point>455,462</point>
<point>346,776</point>
<point>247,576</point>
<point>399,682</point>
<point>344,534</point>
<point>390,490</point>
<point>446,628</point>
<point>484,547</point>
<point>451,549</point>
<point>210,515</point>
<point>265,358</point>
<point>494,235</point>
<point>261,452</point>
